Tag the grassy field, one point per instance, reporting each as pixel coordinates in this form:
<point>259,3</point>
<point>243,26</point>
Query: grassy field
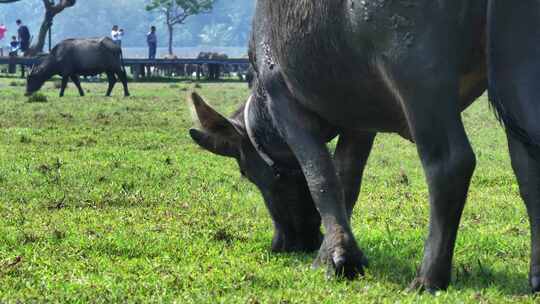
<point>108,200</point>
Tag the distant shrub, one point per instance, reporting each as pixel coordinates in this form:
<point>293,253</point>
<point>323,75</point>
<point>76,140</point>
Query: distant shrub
<point>16,84</point>
<point>57,84</point>
<point>37,97</point>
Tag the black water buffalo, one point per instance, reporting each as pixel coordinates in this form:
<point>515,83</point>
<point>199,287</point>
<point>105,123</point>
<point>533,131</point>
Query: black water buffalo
<point>408,67</point>
<point>514,61</point>
<point>72,58</point>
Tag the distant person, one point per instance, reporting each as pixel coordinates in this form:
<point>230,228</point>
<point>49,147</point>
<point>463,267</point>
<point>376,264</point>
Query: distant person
<point>14,46</point>
<point>24,36</point>
<point>3,31</point>
<point>116,35</point>
<point>151,40</point>
<point>120,36</point>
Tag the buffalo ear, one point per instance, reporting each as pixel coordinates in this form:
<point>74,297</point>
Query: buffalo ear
<point>215,123</point>
<point>220,135</point>
<point>213,143</point>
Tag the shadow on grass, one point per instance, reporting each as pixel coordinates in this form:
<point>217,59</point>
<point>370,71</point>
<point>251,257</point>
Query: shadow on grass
<point>481,277</point>
<point>399,267</point>
<point>387,263</point>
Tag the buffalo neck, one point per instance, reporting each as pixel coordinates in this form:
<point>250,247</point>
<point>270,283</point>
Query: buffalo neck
<point>264,136</point>
<point>48,68</point>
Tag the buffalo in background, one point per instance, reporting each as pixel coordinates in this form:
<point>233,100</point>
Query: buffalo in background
<point>212,70</point>
<point>72,58</point>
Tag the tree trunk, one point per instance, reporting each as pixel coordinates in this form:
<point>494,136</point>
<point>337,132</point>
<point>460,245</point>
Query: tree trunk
<point>171,30</point>
<point>51,10</point>
<point>37,47</point>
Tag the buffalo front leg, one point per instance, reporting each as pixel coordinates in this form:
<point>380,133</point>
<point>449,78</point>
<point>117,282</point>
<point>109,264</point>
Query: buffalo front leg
<point>339,250</point>
<point>63,86</point>
<point>77,82</point>
<point>350,158</point>
<point>526,165</point>
<point>112,81</point>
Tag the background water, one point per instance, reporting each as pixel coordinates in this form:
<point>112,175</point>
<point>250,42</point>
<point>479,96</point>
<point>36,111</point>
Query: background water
<point>182,52</point>
<point>185,52</point>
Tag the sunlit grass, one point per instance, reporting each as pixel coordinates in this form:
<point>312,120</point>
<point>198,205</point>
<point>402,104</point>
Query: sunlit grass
<point>108,200</point>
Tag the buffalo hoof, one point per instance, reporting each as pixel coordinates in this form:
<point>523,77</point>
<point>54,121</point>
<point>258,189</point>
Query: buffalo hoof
<point>343,258</point>
<point>127,95</point>
<point>534,280</point>
<point>424,285</point>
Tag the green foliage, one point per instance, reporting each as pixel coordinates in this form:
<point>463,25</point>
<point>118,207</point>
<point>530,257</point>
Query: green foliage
<point>187,7</point>
<point>107,200</point>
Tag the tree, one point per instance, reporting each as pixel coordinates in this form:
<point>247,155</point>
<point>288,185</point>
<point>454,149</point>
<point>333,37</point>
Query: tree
<point>51,10</point>
<point>176,12</point>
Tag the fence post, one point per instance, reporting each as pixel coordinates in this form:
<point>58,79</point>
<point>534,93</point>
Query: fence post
<point>137,72</point>
<point>12,67</point>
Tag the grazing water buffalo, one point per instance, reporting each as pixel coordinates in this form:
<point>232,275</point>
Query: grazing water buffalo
<point>514,61</point>
<point>408,67</point>
<point>72,58</point>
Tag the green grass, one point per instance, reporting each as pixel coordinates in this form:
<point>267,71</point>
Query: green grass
<point>108,200</point>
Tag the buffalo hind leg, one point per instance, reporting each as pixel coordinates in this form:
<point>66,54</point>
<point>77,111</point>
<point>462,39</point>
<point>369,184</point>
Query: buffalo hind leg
<point>77,82</point>
<point>123,78</point>
<point>63,86</point>
<point>339,250</point>
<point>526,165</point>
<point>112,81</point>
<point>430,101</point>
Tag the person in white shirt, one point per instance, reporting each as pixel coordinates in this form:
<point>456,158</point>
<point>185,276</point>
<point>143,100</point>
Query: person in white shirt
<point>116,35</point>
<point>120,36</point>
